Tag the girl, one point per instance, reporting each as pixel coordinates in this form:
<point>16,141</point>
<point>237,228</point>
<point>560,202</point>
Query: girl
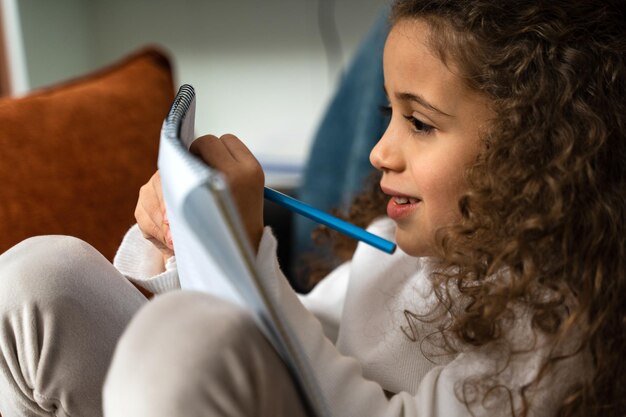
<point>502,170</point>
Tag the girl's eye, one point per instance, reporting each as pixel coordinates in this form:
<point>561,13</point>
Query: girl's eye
<point>419,126</point>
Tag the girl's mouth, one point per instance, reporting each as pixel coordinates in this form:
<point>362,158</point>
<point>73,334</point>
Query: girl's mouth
<point>400,207</point>
<point>405,200</point>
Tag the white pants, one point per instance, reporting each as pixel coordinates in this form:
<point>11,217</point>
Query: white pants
<point>190,354</point>
<point>63,309</point>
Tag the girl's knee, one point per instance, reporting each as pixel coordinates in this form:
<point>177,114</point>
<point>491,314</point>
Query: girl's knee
<point>181,322</point>
<point>39,265</point>
<point>180,328</point>
<point>63,306</point>
<point>46,270</point>
<point>189,342</point>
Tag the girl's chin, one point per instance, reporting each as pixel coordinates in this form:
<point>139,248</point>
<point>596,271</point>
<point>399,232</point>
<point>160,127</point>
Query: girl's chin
<point>410,244</point>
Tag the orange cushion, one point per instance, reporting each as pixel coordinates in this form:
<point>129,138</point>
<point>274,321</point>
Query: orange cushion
<point>73,156</point>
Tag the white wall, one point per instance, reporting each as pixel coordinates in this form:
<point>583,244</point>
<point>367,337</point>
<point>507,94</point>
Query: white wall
<point>58,38</point>
<point>258,66</point>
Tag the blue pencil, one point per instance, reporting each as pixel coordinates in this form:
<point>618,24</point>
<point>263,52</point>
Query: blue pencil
<point>328,220</point>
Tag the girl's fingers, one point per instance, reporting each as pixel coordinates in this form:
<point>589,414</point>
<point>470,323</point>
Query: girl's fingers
<point>212,151</point>
<point>243,173</point>
<point>150,229</point>
<point>158,190</point>
<point>155,236</point>
<point>150,216</point>
<point>167,235</point>
<point>163,221</point>
<point>229,155</point>
<point>237,148</point>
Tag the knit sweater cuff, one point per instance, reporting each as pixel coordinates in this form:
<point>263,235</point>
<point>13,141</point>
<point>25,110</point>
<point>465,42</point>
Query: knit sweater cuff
<point>142,263</point>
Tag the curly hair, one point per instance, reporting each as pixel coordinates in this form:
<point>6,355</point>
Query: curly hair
<point>546,200</point>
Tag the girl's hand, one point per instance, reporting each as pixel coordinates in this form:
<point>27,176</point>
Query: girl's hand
<point>244,176</point>
<point>151,217</point>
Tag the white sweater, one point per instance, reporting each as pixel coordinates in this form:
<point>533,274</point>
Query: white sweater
<point>368,349</point>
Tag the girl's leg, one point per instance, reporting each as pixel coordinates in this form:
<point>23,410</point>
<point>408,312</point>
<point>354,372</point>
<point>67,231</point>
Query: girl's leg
<point>191,354</point>
<point>63,307</point>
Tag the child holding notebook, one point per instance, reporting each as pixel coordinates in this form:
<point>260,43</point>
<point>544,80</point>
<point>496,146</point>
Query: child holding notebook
<point>502,168</point>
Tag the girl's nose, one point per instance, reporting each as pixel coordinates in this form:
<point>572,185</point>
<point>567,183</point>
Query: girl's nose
<point>385,155</point>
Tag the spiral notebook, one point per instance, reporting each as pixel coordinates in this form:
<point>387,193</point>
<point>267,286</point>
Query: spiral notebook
<point>213,253</point>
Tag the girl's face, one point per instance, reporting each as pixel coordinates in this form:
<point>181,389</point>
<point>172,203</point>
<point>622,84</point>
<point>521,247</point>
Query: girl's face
<point>433,137</point>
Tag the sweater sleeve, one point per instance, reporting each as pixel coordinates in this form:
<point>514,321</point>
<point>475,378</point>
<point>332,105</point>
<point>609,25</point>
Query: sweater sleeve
<point>142,263</point>
<point>326,300</point>
<point>439,394</point>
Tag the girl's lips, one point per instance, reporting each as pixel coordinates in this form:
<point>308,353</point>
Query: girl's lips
<point>400,205</point>
<point>397,211</point>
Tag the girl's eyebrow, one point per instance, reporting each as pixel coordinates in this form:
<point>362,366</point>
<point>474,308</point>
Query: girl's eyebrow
<point>416,98</point>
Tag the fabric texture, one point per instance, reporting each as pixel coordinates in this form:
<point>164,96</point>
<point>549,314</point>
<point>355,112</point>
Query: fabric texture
<point>75,155</point>
<point>142,264</point>
<point>210,360</point>
<point>63,307</point>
